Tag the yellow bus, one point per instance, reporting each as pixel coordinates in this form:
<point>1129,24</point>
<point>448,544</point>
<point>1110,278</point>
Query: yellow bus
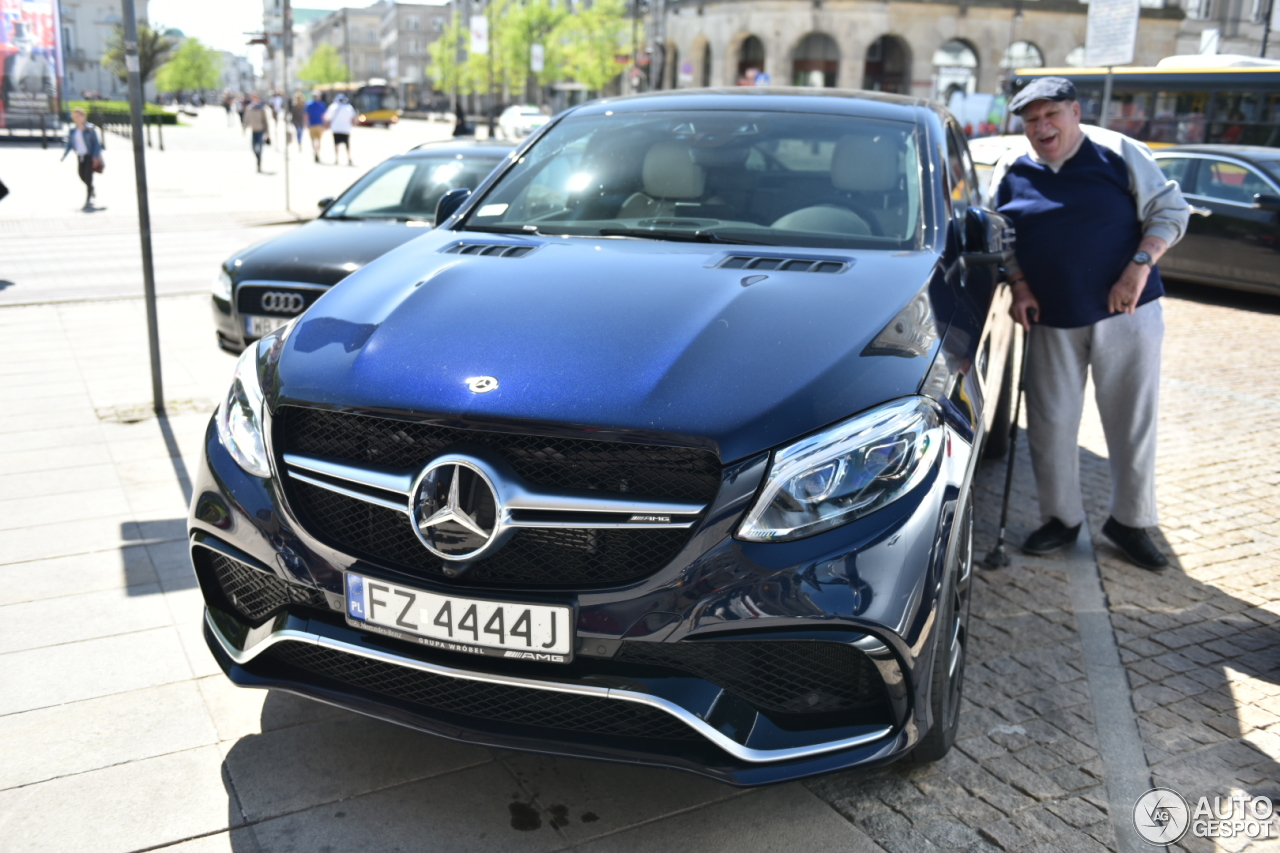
<point>375,102</point>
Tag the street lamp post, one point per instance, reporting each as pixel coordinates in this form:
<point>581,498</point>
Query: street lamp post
<point>144,209</point>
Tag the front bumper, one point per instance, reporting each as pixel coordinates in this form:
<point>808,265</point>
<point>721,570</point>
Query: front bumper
<point>869,586</point>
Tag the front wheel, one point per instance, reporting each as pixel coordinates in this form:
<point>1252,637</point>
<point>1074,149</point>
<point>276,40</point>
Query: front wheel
<point>947,679</point>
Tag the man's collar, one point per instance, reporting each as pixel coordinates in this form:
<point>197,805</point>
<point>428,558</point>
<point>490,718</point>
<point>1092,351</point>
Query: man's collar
<point>1056,166</point>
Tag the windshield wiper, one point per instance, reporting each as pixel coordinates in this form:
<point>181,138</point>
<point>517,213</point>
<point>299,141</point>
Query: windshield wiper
<point>345,218</point>
<point>503,229</point>
<point>682,236</point>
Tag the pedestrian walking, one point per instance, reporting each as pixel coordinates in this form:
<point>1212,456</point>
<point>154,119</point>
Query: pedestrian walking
<point>255,121</point>
<point>315,123</point>
<point>340,118</point>
<point>83,140</point>
<point>1093,213</point>
<point>298,117</point>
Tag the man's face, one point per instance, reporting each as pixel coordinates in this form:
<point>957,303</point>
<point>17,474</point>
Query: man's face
<point>1052,126</point>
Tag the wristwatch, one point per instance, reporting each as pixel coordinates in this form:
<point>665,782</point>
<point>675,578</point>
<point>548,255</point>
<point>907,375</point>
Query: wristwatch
<point>1144,258</point>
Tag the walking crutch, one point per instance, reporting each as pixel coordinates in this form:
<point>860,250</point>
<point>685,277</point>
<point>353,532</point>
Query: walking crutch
<point>997,557</point>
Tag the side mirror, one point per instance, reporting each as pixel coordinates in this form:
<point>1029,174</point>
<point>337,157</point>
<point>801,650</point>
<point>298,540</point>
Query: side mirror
<point>449,204</point>
<point>987,235</point>
<point>325,202</point>
<point>1265,201</point>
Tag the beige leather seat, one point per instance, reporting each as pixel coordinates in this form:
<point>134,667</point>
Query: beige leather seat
<point>669,176</point>
<point>862,163</point>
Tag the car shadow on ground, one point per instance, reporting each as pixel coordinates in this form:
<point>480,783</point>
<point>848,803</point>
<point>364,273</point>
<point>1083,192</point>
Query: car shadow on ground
<point>1026,764</point>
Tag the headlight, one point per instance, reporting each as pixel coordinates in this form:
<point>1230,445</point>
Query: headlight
<point>239,417</point>
<point>222,285</point>
<point>846,472</point>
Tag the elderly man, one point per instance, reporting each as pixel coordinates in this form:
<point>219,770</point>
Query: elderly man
<point>1093,214</point>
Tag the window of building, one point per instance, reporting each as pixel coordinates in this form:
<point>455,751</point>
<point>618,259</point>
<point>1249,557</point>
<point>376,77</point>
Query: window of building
<point>1022,54</point>
<point>413,46</point>
<point>412,22</point>
<point>1076,57</point>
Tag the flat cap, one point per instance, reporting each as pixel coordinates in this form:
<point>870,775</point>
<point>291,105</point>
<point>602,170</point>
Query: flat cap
<point>1043,89</point>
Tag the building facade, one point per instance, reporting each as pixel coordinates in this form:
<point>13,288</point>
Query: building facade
<point>928,48</point>
<point>356,35</point>
<point>407,30</point>
<point>86,34</point>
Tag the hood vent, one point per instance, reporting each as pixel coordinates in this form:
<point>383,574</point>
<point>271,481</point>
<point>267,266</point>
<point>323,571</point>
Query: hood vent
<point>495,250</point>
<point>761,262</point>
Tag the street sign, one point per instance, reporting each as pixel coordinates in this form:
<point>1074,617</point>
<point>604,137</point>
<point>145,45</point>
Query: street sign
<point>536,58</point>
<point>479,34</point>
<point>1111,32</point>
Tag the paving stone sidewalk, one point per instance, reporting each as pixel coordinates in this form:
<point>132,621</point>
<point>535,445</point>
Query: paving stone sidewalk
<point>118,733</point>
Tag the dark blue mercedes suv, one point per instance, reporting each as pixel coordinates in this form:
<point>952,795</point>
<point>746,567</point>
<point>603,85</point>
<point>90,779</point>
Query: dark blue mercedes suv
<point>658,449</point>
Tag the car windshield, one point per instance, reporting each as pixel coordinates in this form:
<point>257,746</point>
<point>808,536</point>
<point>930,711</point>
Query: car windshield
<point>770,178</point>
<point>408,188</point>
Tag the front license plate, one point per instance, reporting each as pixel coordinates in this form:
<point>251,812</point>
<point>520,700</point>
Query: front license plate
<point>541,632</point>
<point>259,326</point>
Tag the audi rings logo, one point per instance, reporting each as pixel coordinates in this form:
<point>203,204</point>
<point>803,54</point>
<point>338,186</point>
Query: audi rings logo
<point>282,303</point>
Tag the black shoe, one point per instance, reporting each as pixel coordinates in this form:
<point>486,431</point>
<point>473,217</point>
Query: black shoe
<point>1136,545</point>
<point>1053,536</point>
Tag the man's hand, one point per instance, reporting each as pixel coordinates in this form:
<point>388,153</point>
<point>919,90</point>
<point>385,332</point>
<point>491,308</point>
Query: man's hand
<point>1023,301</point>
<point>1125,293</point>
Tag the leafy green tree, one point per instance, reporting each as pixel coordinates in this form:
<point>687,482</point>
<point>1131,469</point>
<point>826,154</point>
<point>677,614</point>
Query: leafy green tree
<point>324,66</point>
<point>193,67</point>
<point>447,73</point>
<point>526,24</point>
<point>154,49</point>
<point>591,39</point>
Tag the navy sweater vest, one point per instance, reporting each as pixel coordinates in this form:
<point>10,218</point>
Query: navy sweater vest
<point>1076,232</point>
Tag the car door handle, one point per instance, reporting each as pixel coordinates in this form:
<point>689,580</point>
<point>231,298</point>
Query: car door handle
<point>1200,211</point>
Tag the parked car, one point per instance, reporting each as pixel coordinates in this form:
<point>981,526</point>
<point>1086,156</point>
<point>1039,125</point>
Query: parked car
<point>261,288</point>
<point>517,122</point>
<point>659,449</point>
<point>1233,238</point>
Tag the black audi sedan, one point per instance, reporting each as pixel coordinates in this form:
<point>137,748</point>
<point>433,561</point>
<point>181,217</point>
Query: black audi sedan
<point>658,449</point>
<point>266,285</point>
<point>1233,238</point>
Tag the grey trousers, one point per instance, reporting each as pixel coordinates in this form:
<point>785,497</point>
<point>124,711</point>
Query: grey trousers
<point>1124,353</point>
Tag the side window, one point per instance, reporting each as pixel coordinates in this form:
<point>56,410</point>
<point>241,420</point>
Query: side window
<point>1225,181</point>
<point>382,193</point>
<point>1177,169</point>
<point>960,173</point>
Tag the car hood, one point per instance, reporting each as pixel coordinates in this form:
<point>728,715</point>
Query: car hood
<point>324,251</point>
<point>616,335</point>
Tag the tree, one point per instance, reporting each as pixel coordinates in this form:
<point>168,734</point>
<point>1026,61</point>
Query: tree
<point>446,72</point>
<point>324,66</point>
<point>591,39</point>
<point>193,67</point>
<point>529,23</point>
<point>153,51</point>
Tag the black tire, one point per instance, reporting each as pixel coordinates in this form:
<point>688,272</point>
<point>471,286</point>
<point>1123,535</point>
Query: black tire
<point>951,646</point>
<point>998,439</point>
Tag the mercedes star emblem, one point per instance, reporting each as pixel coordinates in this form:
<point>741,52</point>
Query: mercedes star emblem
<point>481,384</point>
<point>455,509</point>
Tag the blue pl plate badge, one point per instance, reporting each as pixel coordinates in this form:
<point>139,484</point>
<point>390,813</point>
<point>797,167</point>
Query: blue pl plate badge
<point>355,597</point>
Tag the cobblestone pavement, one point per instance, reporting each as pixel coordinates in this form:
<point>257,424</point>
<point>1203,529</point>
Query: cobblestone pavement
<point>107,714</point>
<point>1200,642</point>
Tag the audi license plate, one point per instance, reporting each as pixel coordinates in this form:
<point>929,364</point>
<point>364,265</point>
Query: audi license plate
<point>541,632</point>
<point>259,326</point>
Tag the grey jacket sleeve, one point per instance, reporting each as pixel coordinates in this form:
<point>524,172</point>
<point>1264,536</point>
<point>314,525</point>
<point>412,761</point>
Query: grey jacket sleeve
<point>1161,207</point>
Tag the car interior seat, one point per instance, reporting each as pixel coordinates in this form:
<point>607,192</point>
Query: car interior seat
<point>865,174</point>
<point>670,177</point>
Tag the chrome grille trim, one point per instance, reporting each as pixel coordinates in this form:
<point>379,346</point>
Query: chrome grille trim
<point>516,497</point>
<point>259,640</point>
